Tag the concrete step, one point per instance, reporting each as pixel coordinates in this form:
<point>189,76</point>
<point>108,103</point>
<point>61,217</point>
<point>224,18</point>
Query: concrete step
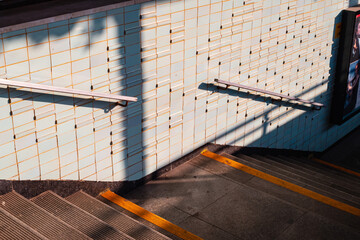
<point>295,199</point>
<point>295,179</point>
<point>139,219</point>
<point>331,172</point>
<point>114,218</point>
<point>13,228</point>
<point>37,218</point>
<point>83,221</point>
<point>321,177</point>
<point>312,177</point>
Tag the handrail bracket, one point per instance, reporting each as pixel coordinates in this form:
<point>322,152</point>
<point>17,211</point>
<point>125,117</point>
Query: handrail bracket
<point>125,104</point>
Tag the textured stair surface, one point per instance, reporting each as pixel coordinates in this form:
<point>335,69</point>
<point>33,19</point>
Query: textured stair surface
<point>114,218</point>
<point>12,228</point>
<point>81,216</point>
<point>77,218</point>
<point>289,176</point>
<point>336,174</point>
<point>37,218</point>
<point>332,181</point>
<point>314,180</point>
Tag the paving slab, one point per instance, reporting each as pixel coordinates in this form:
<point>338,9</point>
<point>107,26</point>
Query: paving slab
<point>206,230</point>
<point>187,187</point>
<point>158,206</point>
<point>250,214</point>
<point>313,226</point>
<point>305,203</point>
<point>216,201</point>
<point>221,169</point>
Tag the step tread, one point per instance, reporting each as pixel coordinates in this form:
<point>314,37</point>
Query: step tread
<point>13,228</point>
<point>137,218</point>
<point>113,217</point>
<point>323,180</point>
<point>325,170</point>
<point>334,182</point>
<point>292,179</point>
<point>37,218</point>
<point>76,217</point>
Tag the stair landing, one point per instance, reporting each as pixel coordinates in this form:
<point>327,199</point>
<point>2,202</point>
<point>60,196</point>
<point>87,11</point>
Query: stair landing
<point>212,196</point>
<point>216,201</point>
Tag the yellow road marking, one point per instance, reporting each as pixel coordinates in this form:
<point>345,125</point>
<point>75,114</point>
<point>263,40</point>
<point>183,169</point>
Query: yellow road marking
<point>149,216</point>
<point>336,167</point>
<point>283,183</point>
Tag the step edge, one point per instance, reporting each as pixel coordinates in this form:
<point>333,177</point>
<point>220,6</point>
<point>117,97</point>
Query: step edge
<point>63,199</point>
<point>311,171</point>
<point>334,172</point>
<point>298,183</point>
<point>108,206</point>
<point>47,213</point>
<point>318,180</point>
<point>22,224</point>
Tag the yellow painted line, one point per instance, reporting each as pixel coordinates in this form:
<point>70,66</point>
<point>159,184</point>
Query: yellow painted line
<point>336,166</point>
<point>149,216</point>
<point>283,183</point>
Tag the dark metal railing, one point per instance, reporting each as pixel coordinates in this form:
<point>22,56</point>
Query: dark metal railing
<point>315,105</point>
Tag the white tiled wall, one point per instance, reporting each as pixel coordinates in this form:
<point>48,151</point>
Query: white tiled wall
<point>165,53</point>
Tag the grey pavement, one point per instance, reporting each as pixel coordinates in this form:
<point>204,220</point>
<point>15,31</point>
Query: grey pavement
<point>345,152</point>
<point>215,201</point>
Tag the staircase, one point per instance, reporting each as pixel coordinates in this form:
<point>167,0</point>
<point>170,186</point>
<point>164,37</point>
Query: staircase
<point>328,198</point>
<point>324,204</point>
<point>78,216</point>
<point>307,174</point>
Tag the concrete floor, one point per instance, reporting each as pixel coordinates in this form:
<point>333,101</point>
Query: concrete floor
<point>215,201</point>
<point>345,152</point>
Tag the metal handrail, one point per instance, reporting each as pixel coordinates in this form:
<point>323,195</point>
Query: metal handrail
<point>316,105</point>
<point>66,90</point>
